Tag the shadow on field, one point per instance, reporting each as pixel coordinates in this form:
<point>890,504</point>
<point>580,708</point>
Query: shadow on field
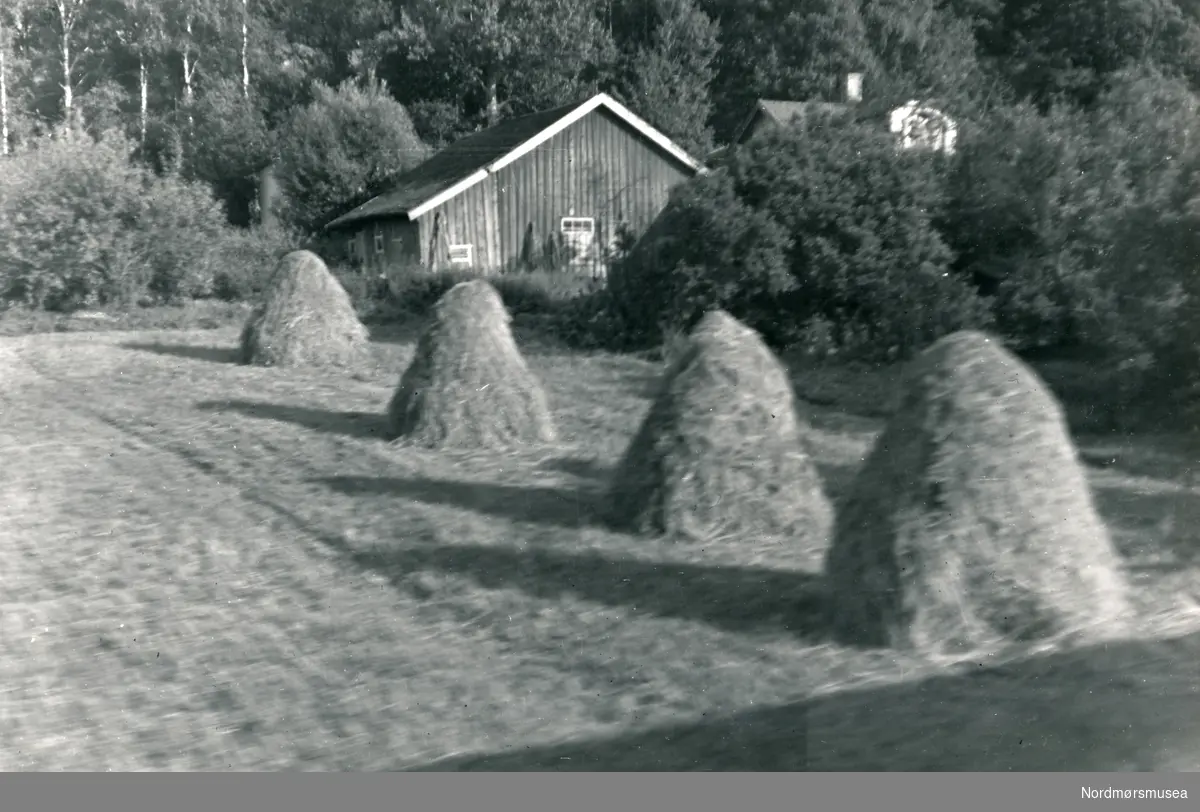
<point>1152,523</point>
<point>215,355</point>
<point>579,467</point>
<point>362,425</point>
<point>1174,458</point>
<point>1128,706</point>
<point>403,332</point>
<point>837,478</point>
<point>540,505</point>
<point>735,598</point>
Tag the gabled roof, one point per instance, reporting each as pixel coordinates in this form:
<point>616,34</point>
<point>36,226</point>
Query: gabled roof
<point>783,112</point>
<point>471,159</point>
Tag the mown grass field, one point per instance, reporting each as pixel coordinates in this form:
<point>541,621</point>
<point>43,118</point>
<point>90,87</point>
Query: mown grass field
<point>205,566</point>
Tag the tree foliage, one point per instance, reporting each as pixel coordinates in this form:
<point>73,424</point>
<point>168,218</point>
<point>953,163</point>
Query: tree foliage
<point>825,230</point>
<point>84,226</point>
<point>341,149</point>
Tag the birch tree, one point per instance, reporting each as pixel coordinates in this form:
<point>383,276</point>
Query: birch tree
<point>11,17</point>
<point>144,32</point>
<point>517,54</point>
<point>68,21</point>
<point>245,51</point>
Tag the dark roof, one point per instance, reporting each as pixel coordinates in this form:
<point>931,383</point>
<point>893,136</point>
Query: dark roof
<point>455,163</point>
<point>784,112</point>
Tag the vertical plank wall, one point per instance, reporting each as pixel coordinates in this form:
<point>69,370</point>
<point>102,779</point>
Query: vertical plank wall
<point>598,167</point>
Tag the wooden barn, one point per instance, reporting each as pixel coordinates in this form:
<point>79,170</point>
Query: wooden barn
<point>560,187</point>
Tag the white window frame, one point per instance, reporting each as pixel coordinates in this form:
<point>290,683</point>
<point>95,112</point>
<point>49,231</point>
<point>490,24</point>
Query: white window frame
<point>468,248</point>
<point>579,239</point>
<point>591,222</point>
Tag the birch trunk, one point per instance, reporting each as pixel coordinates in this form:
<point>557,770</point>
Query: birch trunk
<point>188,67</point>
<point>493,102</point>
<point>68,91</point>
<point>143,86</point>
<point>245,48</point>
<point>3,90</point>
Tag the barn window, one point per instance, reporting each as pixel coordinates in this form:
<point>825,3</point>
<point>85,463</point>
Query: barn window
<point>350,243</point>
<point>378,240</point>
<point>461,254</point>
<point>578,235</point>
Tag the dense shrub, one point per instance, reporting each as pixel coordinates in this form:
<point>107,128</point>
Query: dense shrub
<point>525,293</point>
<point>1034,208</point>
<point>81,225</point>
<point>708,250</point>
<point>1082,221</point>
<point>342,148</point>
<point>824,234</point>
<point>230,144</point>
<point>247,260</point>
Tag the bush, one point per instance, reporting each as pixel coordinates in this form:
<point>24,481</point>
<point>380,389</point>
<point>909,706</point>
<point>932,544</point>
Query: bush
<point>1083,220</point>
<point>230,145</point>
<point>708,250</point>
<point>592,321</point>
<point>538,293</point>
<point>247,261</point>
<point>83,226</point>
<point>342,148</point>
<point>825,231</point>
<point>1034,207</point>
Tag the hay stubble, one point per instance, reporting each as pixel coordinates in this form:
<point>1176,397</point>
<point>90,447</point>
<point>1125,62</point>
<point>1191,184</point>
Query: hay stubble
<point>468,387</point>
<point>971,525</point>
<point>306,319</point>
<point>722,449</point>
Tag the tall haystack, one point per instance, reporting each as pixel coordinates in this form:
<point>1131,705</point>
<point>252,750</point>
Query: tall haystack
<point>971,524</point>
<point>468,386</point>
<point>306,319</point>
<point>722,449</point>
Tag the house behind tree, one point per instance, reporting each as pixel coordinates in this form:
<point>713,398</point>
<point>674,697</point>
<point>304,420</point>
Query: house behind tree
<point>915,124</point>
<point>562,187</point>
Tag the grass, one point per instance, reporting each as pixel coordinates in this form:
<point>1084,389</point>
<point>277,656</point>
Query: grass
<point>197,315</point>
<point>206,566</point>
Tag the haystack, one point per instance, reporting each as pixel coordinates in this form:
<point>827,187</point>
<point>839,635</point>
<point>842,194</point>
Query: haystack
<point>468,386</point>
<point>722,449</point>
<point>307,319</point>
<point>971,524</point>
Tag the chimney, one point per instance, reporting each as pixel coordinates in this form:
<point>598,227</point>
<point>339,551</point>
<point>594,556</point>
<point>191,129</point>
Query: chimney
<point>854,87</point>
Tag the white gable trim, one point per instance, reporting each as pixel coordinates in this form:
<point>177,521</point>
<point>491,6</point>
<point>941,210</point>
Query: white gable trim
<point>446,194</point>
<point>597,101</point>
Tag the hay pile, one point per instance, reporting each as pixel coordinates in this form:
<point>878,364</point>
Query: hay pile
<point>722,449</point>
<point>468,386</point>
<point>307,319</point>
<point>971,524</point>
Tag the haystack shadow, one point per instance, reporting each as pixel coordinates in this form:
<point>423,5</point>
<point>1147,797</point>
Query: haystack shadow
<point>215,355</point>
<point>559,507</point>
<point>579,467</point>
<point>407,331</point>
<point>359,425</point>
<point>740,599</point>
<point>1176,457</point>
<point>1152,523</point>
<point>1045,714</point>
